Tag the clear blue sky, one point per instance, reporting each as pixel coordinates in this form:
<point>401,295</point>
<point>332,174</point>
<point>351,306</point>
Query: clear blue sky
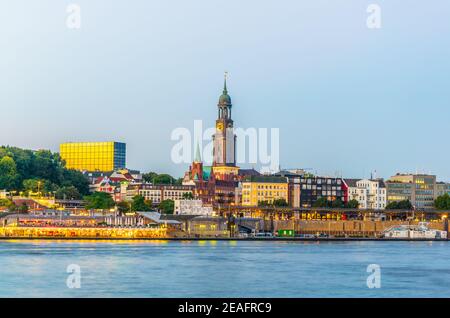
<point>346,98</point>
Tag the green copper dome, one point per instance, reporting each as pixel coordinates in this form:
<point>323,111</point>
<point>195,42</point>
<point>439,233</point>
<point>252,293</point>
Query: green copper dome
<point>225,99</point>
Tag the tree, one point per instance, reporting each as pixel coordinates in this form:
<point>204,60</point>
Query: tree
<point>337,204</point>
<point>68,193</point>
<point>148,177</point>
<point>399,205</point>
<point>280,203</point>
<point>5,203</point>
<point>77,179</point>
<point>38,185</point>
<point>139,204</point>
<point>123,207</point>
<point>321,203</point>
<point>33,185</point>
<point>405,205</point>
<point>23,208</point>
<point>149,203</point>
<point>353,204</point>
<point>8,173</point>
<point>153,177</point>
<point>167,207</point>
<point>12,207</point>
<point>47,165</point>
<point>18,165</point>
<point>99,200</point>
<point>188,196</point>
<point>442,202</point>
<point>163,179</point>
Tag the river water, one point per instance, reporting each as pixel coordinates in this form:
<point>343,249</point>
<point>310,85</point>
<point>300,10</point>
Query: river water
<point>224,269</point>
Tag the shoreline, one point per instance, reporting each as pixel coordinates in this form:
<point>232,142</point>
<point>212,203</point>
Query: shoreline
<point>284,239</point>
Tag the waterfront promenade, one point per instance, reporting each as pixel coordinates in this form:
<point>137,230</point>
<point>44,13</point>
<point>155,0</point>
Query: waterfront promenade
<point>82,233</point>
<point>108,234</point>
<point>191,227</point>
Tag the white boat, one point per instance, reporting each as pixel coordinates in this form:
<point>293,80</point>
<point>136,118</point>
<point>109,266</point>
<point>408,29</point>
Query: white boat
<point>420,231</point>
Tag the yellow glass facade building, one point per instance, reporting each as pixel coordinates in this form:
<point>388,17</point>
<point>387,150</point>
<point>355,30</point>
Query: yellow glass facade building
<point>261,188</point>
<point>94,156</point>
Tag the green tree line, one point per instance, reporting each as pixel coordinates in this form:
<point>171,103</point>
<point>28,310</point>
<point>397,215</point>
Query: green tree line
<point>164,178</point>
<point>322,202</point>
<point>279,203</point>
<point>399,205</point>
<point>442,202</point>
<point>104,201</point>
<point>42,170</point>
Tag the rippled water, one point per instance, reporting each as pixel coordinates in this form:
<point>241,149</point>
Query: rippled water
<point>224,269</point>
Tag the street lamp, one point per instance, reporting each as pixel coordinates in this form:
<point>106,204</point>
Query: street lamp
<point>39,187</point>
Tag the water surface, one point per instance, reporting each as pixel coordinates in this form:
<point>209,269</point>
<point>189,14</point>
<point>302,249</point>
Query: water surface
<point>223,269</point>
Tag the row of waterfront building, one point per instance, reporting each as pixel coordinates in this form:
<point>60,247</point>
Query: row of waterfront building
<point>296,188</point>
<point>224,183</point>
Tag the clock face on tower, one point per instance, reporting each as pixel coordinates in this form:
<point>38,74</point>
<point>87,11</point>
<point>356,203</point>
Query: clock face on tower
<point>219,126</point>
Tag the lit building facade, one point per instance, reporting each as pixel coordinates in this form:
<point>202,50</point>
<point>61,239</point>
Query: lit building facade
<point>370,194</point>
<point>442,188</point>
<point>257,189</point>
<point>419,189</point>
<point>159,193</point>
<point>192,207</point>
<point>305,190</point>
<point>398,191</point>
<point>94,156</point>
<point>293,177</point>
<point>4,194</point>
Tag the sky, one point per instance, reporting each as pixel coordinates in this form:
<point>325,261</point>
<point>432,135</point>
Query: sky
<point>346,98</point>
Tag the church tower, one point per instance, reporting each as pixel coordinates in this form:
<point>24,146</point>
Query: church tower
<point>224,152</point>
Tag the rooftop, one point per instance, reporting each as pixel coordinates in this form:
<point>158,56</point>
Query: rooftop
<point>266,179</point>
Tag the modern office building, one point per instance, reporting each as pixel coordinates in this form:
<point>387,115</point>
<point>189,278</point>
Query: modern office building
<point>257,189</point>
<point>94,156</point>
<point>306,189</point>
<point>419,189</point>
<point>370,193</point>
<point>442,188</point>
<point>293,177</point>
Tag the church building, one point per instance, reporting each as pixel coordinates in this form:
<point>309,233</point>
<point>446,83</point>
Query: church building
<point>217,184</point>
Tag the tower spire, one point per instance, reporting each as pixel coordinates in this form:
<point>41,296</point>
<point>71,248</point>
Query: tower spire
<point>198,157</point>
<point>225,75</point>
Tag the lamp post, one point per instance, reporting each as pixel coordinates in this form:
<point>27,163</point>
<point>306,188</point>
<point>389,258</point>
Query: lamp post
<point>39,187</point>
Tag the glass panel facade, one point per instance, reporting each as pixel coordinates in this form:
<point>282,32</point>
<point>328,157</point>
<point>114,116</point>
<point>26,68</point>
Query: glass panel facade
<point>94,156</point>
<point>313,188</point>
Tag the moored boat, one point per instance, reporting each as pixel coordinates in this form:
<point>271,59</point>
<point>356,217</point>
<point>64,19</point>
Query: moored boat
<point>420,231</point>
